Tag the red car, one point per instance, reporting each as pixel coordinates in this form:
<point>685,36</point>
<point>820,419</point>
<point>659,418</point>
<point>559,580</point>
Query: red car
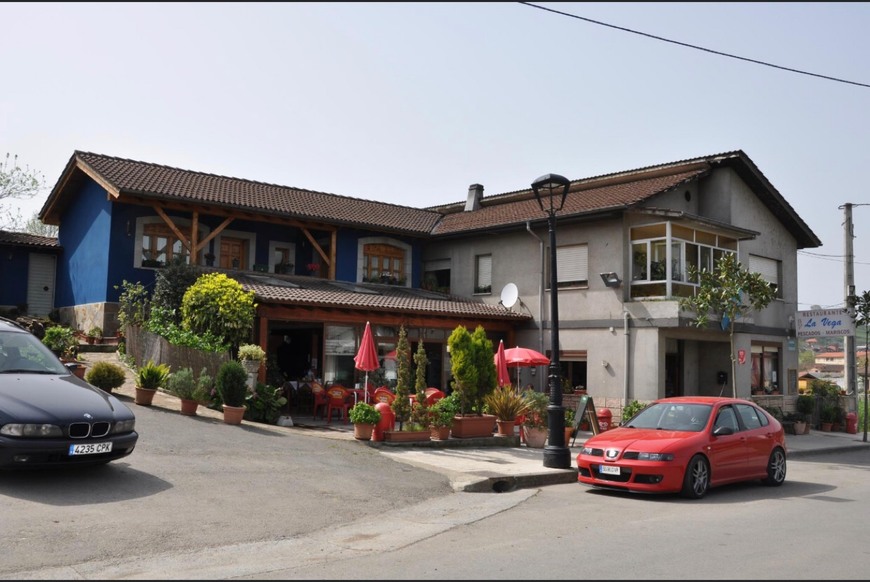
<point>686,445</point>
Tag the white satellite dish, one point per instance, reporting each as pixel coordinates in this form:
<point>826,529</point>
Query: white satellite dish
<point>509,295</point>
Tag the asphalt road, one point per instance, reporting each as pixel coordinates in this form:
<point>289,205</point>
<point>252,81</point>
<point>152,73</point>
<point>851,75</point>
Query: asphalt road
<point>195,483</point>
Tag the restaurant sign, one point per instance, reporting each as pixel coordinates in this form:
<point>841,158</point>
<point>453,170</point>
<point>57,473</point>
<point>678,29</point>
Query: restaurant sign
<point>824,323</point>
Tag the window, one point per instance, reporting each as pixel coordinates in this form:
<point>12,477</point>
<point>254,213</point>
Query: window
<point>436,276</point>
<point>662,255</point>
<point>769,269</point>
<point>726,418</point>
<point>483,274</point>
<point>383,263</point>
<point>160,245</point>
<point>572,266</point>
<point>750,416</point>
<point>765,366</point>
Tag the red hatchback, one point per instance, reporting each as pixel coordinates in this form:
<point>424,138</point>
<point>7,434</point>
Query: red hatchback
<point>686,445</point>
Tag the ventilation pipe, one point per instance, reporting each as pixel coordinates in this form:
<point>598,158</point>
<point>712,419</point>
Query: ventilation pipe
<point>626,359</point>
<point>540,298</point>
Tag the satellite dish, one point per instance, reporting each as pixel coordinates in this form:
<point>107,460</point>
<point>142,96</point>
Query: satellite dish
<point>509,295</point>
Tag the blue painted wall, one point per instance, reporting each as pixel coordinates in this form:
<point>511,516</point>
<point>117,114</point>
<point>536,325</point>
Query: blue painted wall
<point>84,234</point>
<point>14,264</point>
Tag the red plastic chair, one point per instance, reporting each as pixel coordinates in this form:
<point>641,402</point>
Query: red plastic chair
<point>433,395</point>
<point>340,399</point>
<point>383,394</point>
<point>321,399</point>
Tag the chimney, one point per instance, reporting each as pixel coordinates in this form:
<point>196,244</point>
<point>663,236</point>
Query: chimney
<point>475,194</point>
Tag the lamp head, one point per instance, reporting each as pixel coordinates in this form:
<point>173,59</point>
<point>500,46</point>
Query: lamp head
<point>553,187</point>
<point>610,279</point>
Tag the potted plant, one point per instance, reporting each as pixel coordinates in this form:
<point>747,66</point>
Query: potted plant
<point>232,387</point>
<point>106,376</point>
<point>62,341</point>
<point>441,415</point>
<point>827,416</point>
<point>252,357</point>
<point>569,423</point>
<point>183,385</point>
<point>95,334</point>
<point>364,417</point>
<point>806,405</point>
<point>506,404</point>
<point>535,423</point>
<point>148,379</point>
<point>797,421</point>
<point>474,376</point>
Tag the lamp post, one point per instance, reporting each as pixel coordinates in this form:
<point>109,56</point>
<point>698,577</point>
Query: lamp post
<point>550,192</point>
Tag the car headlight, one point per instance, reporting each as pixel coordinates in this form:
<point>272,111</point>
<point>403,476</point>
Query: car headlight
<point>124,426</point>
<point>586,451</point>
<point>655,456</point>
<point>31,430</point>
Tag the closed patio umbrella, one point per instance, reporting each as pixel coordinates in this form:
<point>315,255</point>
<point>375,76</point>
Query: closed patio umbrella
<point>366,358</point>
<point>501,368</point>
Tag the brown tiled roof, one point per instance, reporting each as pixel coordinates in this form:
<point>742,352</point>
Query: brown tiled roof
<point>163,182</point>
<point>24,239</point>
<point>600,194</point>
<point>522,207</point>
<point>313,291</point>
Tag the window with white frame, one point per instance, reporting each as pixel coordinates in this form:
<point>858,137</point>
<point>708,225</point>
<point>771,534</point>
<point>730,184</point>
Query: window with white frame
<point>664,253</point>
<point>483,274</point>
<point>769,269</point>
<point>572,266</point>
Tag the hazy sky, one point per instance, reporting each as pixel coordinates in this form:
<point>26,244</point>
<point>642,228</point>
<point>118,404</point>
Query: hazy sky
<point>411,103</point>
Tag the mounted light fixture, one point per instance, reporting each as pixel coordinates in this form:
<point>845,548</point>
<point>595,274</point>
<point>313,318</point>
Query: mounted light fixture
<point>611,279</point>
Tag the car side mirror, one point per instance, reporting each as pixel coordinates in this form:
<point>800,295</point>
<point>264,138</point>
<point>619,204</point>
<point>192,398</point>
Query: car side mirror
<point>722,431</point>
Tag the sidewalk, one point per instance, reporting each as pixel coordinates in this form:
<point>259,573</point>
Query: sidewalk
<point>476,465</point>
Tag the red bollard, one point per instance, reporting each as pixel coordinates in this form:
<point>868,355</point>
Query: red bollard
<point>388,419</point>
<point>852,423</point>
<point>605,418</point>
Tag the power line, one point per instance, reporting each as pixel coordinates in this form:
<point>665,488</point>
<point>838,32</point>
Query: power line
<point>700,48</point>
<point>833,258</point>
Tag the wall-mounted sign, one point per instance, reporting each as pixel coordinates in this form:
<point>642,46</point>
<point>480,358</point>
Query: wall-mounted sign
<point>824,323</point>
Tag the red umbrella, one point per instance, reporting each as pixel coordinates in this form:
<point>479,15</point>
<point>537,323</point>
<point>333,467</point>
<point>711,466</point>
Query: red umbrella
<point>366,358</point>
<point>504,377</point>
<point>524,357</point>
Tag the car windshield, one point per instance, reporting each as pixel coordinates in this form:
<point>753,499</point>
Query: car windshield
<point>672,416</point>
<point>24,353</point>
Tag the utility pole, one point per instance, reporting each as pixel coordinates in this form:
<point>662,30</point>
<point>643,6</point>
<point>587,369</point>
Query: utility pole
<point>850,369</point>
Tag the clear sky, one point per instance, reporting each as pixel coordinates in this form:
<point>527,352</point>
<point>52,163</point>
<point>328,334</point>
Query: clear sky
<point>411,103</point>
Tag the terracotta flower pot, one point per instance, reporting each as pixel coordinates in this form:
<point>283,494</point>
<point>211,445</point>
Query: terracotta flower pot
<point>473,425</point>
<point>145,396</point>
<point>440,433</point>
<point>188,407</point>
<point>233,414</point>
<point>536,438</point>
<point>505,427</point>
<point>363,432</point>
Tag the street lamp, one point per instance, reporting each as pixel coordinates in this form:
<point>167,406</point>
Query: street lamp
<point>550,192</point>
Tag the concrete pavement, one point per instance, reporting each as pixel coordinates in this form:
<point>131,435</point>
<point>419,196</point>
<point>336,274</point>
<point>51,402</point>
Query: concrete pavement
<point>496,464</point>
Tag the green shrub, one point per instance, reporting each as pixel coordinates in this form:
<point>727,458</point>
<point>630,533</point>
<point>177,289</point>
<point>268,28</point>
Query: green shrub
<point>170,285</point>
<point>442,412</point>
<point>805,404</point>
<point>61,340</point>
<point>536,408</point>
<point>251,352</point>
<point>505,403</point>
<point>232,383</point>
<point>152,376</point>
<point>631,409</point>
<point>105,375</point>
<point>219,305</point>
<point>133,304</point>
<point>182,384</point>
<point>364,413</point>
<point>265,403</point>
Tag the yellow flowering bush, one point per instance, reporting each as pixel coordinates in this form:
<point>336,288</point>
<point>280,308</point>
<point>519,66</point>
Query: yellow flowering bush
<point>219,305</point>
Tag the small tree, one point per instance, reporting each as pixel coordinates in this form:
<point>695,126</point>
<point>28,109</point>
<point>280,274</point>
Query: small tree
<point>473,367</point>
<point>219,305</point>
<point>862,318</point>
<point>730,292</point>
<point>19,183</point>
<point>171,283</point>
<point>420,413</point>
<point>401,405</point>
